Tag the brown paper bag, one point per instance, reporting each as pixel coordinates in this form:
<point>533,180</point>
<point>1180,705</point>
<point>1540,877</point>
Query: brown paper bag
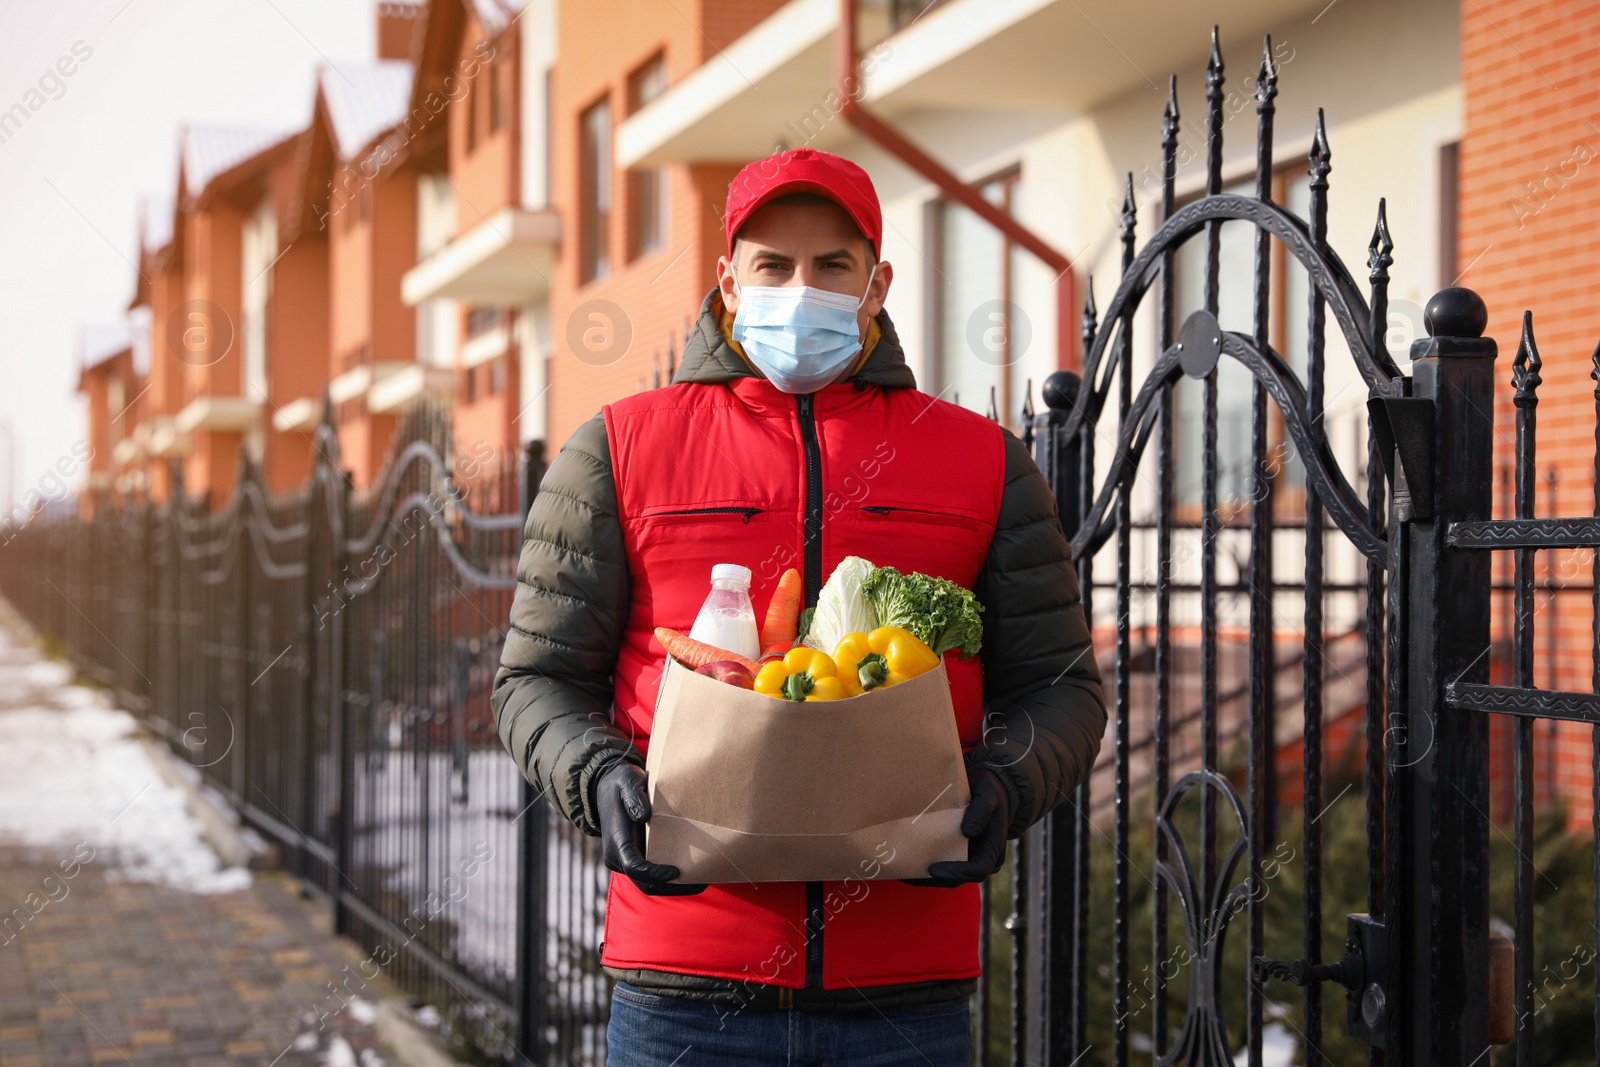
<point>745,787</point>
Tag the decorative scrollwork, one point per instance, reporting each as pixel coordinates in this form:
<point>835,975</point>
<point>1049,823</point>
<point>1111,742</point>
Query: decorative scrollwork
<point>1528,703</point>
<point>1207,911</point>
<point>1286,391</point>
<point>1524,533</point>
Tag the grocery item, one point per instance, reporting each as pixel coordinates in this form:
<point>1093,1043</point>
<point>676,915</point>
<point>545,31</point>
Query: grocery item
<point>842,607</point>
<point>887,656</point>
<point>943,615</point>
<point>802,674</point>
<point>727,619</point>
<point>691,653</point>
<point>731,671</point>
<point>783,611</point>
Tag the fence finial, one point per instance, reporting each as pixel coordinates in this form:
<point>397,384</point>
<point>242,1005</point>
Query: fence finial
<point>1169,117</point>
<point>1266,75</point>
<point>1321,161</point>
<point>1378,250</point>
<point>1214,61</point>
<point>1525,367</point>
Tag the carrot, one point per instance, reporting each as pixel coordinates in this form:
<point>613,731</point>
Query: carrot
<point>691,653</point>
<point>783,611</point>
<point>776,650</point>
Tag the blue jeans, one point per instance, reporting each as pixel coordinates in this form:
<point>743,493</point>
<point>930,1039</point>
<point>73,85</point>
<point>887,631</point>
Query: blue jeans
<point>648,1030</point>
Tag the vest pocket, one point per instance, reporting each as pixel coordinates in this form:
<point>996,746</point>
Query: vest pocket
<point>903,514</point>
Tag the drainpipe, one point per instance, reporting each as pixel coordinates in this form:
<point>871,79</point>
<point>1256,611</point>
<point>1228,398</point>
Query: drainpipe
<point>849,87</point>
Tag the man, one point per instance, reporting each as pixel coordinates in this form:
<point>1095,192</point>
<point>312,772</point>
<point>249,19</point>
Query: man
<point>792,435</point>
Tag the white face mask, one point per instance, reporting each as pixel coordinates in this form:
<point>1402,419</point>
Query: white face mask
<point>800,337</point>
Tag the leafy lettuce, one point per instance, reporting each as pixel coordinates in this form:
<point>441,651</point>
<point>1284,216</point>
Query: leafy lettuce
<point>941,613</point>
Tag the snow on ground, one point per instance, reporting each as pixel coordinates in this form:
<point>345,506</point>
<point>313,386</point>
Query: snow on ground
<point>73,773</point>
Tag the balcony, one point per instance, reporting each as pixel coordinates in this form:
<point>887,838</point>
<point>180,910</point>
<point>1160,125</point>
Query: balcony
<point>773,85</point>
<point>396,390</point>
<point>508,259</point>
<point>218,414</point>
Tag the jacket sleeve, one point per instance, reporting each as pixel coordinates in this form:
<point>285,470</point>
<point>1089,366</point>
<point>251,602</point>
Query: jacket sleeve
<point>1044,709</point>
<point>553,693</point>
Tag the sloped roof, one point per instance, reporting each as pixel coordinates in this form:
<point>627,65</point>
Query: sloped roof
<point>496,15</point>
<point>210,149</point>
<point>365,100</point>
<point>99,341</point>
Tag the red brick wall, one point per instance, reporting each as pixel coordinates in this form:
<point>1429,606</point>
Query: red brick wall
<point>1530,239</point>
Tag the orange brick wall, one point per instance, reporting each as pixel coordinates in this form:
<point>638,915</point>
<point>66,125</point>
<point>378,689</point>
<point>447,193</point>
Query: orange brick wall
<point>485,178</point>
<point>657,294</point>
<point>297,354</point>
<point>1530,239</point>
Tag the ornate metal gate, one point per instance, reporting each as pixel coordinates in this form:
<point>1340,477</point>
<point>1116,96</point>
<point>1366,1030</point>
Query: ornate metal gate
<point>1195,841</point>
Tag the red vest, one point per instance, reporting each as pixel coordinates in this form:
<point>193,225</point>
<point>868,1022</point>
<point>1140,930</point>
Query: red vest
<point>711,474</point>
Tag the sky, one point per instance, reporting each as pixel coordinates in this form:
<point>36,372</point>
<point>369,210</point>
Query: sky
<point>72,177</point>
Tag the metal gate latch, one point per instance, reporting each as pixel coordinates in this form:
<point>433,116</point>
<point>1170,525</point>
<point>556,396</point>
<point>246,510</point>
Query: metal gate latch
<point>1360,971</point>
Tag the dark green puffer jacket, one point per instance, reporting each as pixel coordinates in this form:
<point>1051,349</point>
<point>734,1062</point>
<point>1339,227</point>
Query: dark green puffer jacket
<point>1045,712</point>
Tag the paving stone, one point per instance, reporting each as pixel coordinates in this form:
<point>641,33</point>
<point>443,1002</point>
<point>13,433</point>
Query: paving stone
<point>124,973</point>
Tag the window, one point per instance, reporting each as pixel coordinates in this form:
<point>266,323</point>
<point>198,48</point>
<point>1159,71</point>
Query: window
<point>497,376</point>
<point>470,388</point>
<point>594,192</point>
<point>472,117</point>
<point>647,186</point>
<point>972,316</point>
<point>481,320</point>
<point>498,79</point>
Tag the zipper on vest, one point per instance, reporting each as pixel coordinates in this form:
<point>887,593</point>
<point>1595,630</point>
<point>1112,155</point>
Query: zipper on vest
<point>748,513</point>
<point>804,403</point>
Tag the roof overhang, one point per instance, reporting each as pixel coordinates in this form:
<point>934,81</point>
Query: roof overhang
<point>776,85</point>
<point>218,414</point>
<point>506,260</point>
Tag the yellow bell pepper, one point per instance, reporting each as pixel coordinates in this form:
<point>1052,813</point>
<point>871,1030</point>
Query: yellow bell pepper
<point>887,656</point>
<point>802,674</point>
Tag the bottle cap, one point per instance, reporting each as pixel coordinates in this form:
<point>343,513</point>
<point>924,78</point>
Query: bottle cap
<point>731,570</point>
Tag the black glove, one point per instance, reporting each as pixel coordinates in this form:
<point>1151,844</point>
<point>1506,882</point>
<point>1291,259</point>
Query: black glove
<point>623,806</point>
<point>984,825</point>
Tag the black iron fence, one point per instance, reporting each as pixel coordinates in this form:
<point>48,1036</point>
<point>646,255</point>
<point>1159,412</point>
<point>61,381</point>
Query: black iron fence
<point>325,659</point>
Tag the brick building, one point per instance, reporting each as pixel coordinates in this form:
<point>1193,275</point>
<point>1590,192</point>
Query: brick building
<point>1529,218</point>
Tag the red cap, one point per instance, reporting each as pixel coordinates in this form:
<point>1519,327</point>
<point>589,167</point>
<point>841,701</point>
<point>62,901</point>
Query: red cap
<point>805,170</point>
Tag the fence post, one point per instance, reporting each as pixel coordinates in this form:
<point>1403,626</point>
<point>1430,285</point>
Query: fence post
<point>1437,997</point>
<point>532,849</point>
<point>1057,985</point>
<point>340,758</point>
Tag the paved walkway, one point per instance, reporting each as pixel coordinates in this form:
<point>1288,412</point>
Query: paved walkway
<point>122,940</point>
